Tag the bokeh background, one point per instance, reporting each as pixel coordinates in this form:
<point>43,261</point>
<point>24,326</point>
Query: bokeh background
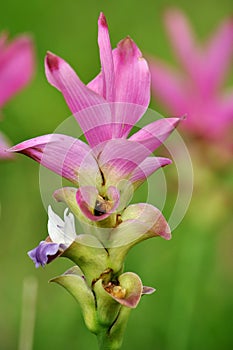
<point>193,273</point>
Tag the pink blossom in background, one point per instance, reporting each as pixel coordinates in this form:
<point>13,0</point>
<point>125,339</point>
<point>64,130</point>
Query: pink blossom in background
<point>16,69</point>
<point>197,87</point>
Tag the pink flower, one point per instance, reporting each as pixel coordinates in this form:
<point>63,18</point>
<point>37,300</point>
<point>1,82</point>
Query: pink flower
<point>16,69</point>
<point>197,89</point>
<point>106,109</point>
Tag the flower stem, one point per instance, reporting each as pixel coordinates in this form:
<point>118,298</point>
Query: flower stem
<point>112,338</point>
<point>106,342</point>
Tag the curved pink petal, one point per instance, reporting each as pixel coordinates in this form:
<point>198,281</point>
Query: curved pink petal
<point>146,168</point>
<point>140,221</point>
<point>120,157</point>
<point>149,216</point>
<point>132,74</point>
<point>124,117</point>
<point>169,88</point>
<point>97,84</point>
<point>63,77</point>
<point>4,146</point>
<point>90,109</point>
<point>16,67</point>
<point>182,40</point>
<point>132,82</point>
<point>153,135</point>
<point>62,154</point>
<point>96,123</point>
<point>106,59</point>
<point>130,284</point>
<point>95,207</point>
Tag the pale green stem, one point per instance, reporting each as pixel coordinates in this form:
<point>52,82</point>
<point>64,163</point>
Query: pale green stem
<point>112,338</point>
<point>106,342</point>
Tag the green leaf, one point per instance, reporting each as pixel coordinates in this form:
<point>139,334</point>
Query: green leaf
<point>74,282</point>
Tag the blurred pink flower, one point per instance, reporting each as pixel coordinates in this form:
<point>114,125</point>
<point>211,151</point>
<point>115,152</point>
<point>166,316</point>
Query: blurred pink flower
<point>197,89</point>
<point>16,69</point>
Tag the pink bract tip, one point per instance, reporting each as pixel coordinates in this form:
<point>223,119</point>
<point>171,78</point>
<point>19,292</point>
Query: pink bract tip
<point>52,61</point>
<point>102,20</point>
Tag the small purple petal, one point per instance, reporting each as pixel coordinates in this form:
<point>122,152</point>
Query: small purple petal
<point>44,253</point>
<point>148,290</point>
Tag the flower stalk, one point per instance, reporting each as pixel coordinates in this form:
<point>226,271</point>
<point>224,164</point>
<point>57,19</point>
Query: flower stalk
<point>105,171</point>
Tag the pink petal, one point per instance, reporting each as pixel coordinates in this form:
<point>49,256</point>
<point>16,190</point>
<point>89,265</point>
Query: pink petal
<point>140,221</point>
<point>16,67</point>
<point>219,55</point>
<point>62,76</point>
<point>106,59</point>
<point>146,168</point>
<point>147,215</point>
<point>97,84</point>
<point>96,123</point>
<point>124,117</point>
<point>132,82</point>
<point>4,145</point>
<point>62,154</point>
<point>120,157</point>
<point>132,284</point>
<point>87,199</point>
<point>132,74</point>
<point>183,41</point>
<point>154,134</point>
<point>89,109</point>
<point>169,88</point>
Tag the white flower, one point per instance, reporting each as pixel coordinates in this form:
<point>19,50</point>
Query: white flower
<point>61,232</point>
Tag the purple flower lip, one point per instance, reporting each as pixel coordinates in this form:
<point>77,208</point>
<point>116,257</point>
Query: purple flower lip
<point>61,235</point>
<point>44,253</point>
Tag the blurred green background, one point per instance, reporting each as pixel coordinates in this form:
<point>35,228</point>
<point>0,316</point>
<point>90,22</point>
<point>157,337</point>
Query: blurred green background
<point>193,305</point>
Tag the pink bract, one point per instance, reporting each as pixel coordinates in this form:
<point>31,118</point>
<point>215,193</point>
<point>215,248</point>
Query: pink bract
<point>197,88</point>
<point>106,109</point>
<point>16,69</point>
